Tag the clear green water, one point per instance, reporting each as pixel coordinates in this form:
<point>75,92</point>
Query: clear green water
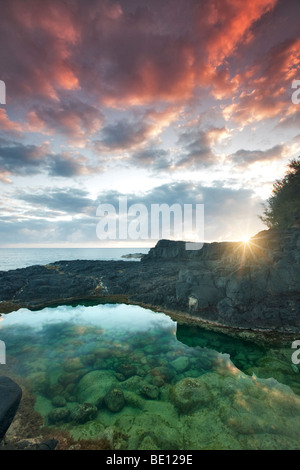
<point>140,380</point>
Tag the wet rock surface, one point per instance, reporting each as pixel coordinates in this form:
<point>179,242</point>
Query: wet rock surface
<point>10,397</point>
<point>250,286</point>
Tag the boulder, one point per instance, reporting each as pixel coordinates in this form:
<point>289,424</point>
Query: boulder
<point>150,391</point>
<point>190,394</point>
<point>49,444</point>
<point>83,413</point>
<point>93,387</point>
<point>59,415</point>
<point>114,400</point>
<point>10,397</point>
<point>58,401</point>
<point>181,364</point>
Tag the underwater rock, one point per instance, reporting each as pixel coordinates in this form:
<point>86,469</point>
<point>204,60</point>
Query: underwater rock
<point>134,400</point>
<point>181,364</point>
<point>68,391</point>
<point>158,428</point>
<point>150,391</point>
<point>72,364</point>
<point>271,363</point>
<point>68,378</point>
<point>190,394</point>
<point>93,386</point>
<point>39,382</point>
<point>148,444</point>
<point>211,433</point>
<point>114,400</point>
<point>55,390</point>
<point>158,381</point>
<point>120,377</point>
<point>103,353</point>
<point>117,439</point>
<point>295,368</point>
<point>58,401</point>
<point>88,359</point>
<point>127,370</point>
<point>165,373</point>
<point>59,415</point>
<point>132,384</point>
<point>83,413</point>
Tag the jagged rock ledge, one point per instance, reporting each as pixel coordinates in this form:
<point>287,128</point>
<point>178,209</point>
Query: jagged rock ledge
<point>253,286</point>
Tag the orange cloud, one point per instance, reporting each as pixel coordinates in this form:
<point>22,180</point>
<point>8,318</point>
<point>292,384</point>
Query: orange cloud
<point>228,22</point>
<point>265,87</point>
<point>7,125</point>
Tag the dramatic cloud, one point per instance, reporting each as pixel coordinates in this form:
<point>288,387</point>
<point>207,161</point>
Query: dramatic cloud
<point>21,159</point>
<point>136,130</point>
<point>123,52</point>
<point>243,158</point>
<point>196,147</point>
<point>267,85</point>
<point>25,160</point>
<point>114,96</point>
<point>76,120</point>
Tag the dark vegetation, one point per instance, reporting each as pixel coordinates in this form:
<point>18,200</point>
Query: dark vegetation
<point>283,206</point>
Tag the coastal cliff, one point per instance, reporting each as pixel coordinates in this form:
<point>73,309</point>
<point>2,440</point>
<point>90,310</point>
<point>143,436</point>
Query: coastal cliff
<point>251,286</point>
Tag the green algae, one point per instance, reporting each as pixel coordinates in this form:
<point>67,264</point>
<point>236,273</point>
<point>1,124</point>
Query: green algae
<point>152,384</point>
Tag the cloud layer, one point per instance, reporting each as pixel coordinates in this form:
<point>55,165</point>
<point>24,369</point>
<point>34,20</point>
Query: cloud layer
<point>172,93</point>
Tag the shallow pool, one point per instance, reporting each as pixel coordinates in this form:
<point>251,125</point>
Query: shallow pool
<point>138,380</point>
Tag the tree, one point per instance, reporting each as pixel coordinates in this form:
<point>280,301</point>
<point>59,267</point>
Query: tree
<point>283,206</point>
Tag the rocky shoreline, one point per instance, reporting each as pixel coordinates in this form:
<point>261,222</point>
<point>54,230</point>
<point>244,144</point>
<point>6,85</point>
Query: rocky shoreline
<point>232,285</point>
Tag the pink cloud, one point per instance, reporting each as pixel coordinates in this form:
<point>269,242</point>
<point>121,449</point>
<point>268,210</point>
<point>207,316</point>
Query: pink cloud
<point>124,53</point>
<point>128,53</point>
<point>265,87</point>
<point>7,125</point>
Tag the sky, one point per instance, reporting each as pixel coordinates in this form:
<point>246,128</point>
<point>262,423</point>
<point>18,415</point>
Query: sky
<point>160,102</point>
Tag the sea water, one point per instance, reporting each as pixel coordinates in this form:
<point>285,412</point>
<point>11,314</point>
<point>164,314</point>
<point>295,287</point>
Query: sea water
<point>138,380</point>
<point>15,258</point>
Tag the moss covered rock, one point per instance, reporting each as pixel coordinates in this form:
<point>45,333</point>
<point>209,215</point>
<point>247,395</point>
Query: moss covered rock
<point>93,386</point>
<point>190,394</point>
<point>114,400</point>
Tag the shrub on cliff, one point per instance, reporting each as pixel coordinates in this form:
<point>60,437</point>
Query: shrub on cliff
<point>283,206</point>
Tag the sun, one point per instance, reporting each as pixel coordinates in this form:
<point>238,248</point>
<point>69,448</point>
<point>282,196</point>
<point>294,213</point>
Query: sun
<point>246,239</point>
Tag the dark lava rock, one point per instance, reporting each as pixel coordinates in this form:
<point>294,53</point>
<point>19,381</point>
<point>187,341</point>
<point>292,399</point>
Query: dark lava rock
<point>83,413</point>
<point>10,397</point>
<point>50,444</point>
<point>114,400</point>
<point>24,444</point>
<point>253,286</point>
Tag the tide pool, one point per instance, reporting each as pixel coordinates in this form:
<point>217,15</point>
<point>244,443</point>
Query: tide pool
<point>139,381</point>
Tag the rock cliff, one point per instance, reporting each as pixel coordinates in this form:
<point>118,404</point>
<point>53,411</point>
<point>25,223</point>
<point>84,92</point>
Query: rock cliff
<point>254,285</point>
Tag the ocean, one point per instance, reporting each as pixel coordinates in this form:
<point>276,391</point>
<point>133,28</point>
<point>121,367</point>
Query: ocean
<point>15,258</point>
